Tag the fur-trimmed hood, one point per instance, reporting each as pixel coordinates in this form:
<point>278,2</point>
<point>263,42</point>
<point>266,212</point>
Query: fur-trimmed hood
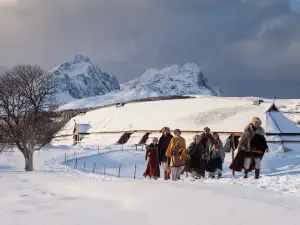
<point>248,134</point>
<point>249,129</point>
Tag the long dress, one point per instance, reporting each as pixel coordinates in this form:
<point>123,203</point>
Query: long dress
<point>196,162</point>
<point>215,157</point>
<point>152,169</point>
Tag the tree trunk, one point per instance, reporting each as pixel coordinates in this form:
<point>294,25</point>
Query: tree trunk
<point>29,160</point>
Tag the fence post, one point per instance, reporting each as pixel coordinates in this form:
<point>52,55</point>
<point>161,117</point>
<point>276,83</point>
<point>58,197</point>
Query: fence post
<point>134,173</point>
<point>110,147</point>
<point>233,148</point>
<point>119,173</point>
<point>94,167</point>
<point>84,166</point>
<point>74,154</point>
<point>122,147</point>
<point>98,149</point>
<point>65,158</point>
<point>104,169</point>
<point>75,165</point>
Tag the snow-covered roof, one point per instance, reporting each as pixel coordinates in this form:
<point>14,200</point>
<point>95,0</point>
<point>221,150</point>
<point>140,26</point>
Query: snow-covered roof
<point>220,114</point>
<point>68,129</point>
<point>284,125</point>
<point>274,122</point>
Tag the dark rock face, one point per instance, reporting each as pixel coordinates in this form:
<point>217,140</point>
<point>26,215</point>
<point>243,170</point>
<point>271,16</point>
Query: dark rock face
<point>79,78</point>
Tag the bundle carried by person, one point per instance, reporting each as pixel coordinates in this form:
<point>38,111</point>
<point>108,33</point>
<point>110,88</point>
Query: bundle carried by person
<point>177,158</point>
<point>176,152</point>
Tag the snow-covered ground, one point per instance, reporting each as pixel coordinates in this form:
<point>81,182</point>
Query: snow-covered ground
<point>292,111</point>
<point>57,194</point>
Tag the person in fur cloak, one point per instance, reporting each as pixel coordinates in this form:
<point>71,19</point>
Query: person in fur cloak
<point>152,169</point>
<point>251,149</point>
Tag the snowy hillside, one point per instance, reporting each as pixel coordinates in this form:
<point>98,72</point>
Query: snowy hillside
<point>170,81</point>
<point>109,98</point>
<point>79,78</point>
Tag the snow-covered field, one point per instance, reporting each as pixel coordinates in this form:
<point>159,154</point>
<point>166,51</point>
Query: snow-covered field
<point>57,194</point>
<point>65,193</point>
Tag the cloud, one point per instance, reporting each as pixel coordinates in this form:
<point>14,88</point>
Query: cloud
<point>8,3</point>
<point>295,5</point>
<point>274,23</point>
<point>230,40</point>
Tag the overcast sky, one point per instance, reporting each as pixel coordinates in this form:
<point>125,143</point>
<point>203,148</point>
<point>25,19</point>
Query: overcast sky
<point>247,47</point>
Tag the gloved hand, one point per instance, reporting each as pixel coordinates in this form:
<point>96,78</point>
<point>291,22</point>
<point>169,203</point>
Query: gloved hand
<point>267,150</point>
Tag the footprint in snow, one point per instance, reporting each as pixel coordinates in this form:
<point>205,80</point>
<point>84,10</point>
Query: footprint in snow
<point>24,196</point>
<point>69,198</point>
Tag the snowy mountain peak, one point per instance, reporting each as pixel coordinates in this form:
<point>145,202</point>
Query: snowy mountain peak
<point>79,78</point>
<point>174,80</point>
<point>79,62</point>
<point>81,58</point>
<point>192,67</point>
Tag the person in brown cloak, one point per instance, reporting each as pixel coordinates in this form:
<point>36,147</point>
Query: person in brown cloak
<point>251,149</point>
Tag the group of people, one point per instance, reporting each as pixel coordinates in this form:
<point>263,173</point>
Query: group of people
<point>205,153</point>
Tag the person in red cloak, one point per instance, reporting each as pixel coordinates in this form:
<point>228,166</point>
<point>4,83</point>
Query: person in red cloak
<point>251,149</point>
<point>152,170</point>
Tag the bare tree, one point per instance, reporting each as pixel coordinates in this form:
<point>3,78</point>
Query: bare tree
<point>27,104</point>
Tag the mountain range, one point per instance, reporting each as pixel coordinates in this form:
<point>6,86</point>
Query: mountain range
<point>82,84</point>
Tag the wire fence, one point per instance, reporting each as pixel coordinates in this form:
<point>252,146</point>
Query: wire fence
<point>77,161</point>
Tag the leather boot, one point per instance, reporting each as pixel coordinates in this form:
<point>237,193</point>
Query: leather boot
<point>166,175</point>
<point>245,173</point>
<point>257,173</point>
